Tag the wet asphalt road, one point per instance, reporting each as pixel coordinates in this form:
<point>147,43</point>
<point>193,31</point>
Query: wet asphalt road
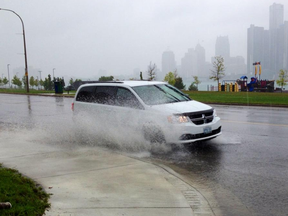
<point>245,170</point>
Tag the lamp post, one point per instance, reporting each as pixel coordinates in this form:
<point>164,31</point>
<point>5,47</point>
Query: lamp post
<point>25,53</point>
<point>40,78</point>
<point>53,73</point>
<point>8,74</point>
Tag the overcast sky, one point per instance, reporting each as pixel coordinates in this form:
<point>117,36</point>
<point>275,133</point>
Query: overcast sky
<point>80,38</point>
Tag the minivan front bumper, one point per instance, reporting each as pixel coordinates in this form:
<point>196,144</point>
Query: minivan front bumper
<point>189,132</point>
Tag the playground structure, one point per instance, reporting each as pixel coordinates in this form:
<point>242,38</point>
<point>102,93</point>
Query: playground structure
<point>255,84</point>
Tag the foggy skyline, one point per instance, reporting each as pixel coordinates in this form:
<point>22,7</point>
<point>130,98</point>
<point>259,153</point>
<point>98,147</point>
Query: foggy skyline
<point>80,38</point>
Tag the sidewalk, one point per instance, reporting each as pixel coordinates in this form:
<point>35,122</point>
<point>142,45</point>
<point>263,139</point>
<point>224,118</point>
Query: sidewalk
<point>95,181</point>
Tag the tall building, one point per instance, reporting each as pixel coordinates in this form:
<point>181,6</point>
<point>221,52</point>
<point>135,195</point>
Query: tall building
<point>270,47</point>
<point>256,47</point>
<point>189,64</point>
<point>168,62</point>
<point>276,16</point>
<point>276,19</point>
<point>222,47</point>
<point>193,63</point>
<point>201,63</point>
<point>234,66</point>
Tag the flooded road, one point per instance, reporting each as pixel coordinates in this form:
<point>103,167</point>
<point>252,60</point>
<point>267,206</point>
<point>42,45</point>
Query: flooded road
<point>245,169</point>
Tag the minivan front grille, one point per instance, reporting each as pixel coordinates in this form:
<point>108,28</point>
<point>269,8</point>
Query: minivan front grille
<point>202,117</point>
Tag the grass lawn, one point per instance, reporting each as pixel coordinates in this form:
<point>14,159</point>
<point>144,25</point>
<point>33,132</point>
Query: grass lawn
<point>241,98</point>
<point>26,197</point>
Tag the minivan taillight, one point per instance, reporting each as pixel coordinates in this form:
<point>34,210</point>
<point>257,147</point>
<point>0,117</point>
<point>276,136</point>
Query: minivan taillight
<point>72,106</point>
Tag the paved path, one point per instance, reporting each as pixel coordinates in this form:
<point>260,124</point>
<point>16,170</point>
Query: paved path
<point>95,181</point>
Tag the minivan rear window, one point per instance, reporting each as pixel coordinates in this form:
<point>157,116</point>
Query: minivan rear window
<point>86,94</point>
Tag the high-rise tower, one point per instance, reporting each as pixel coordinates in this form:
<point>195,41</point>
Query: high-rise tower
<point>168,62</point>
<point>276,13</point>
<point>222,47</point>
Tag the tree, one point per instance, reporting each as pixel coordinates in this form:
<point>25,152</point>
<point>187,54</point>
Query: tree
<point>106,78</point>
<point>71,81</point>
<point>32,81</point>
<point>196,81</point>
<point>193,87</point>
<point>218,69</point>
<point>282,81</point>
<point>151,71</point>
<point>179,83</point>
<point>36,83</point>
<point>170,78</point>
<point>41,83</point>
<point>1,81</point>
<point>5,81</point>
<point>24,81</point>
<point>48,84</point>
<point>194,84</point>
<point>16,81</point>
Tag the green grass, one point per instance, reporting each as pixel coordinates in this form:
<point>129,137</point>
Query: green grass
<point>241,98</point>
<point>26,197</point>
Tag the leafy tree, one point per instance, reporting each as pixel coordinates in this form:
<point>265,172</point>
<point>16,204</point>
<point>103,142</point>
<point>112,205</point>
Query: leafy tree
<point>76,80</point>
<point>16,81</point>
<point>1,81</point>
<point>170,78</point>
<point>282,81</point>
<point>36,83</point>
<point>41,83</point>
<point>194,84</point>
<point>24,81</point>
<point>71,81</point>
<point>5,81</point>
<point>218,69</point>
<point>196,81</point>
<point>179,83</point>
<point>48,84</point>
<point>32,81</point>
<point>193,87</point>
<point>151,71</point>
<point>106,78</point>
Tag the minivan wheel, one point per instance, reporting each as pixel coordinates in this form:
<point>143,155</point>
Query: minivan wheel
<point>153,135</point>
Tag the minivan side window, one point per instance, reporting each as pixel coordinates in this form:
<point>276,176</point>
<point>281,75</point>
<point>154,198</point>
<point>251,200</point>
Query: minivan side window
<point>86,94</point>
<point>105,95</point>
<point>126,98</point>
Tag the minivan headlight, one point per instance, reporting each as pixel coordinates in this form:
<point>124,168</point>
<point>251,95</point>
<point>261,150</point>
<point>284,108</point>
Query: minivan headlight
<point>178,119</point>
<point>214,113</point>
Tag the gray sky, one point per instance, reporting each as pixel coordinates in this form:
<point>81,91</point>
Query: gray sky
<point>79,38</point>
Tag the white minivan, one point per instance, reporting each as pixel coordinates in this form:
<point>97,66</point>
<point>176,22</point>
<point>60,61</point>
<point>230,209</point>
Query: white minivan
<point>157,110</point>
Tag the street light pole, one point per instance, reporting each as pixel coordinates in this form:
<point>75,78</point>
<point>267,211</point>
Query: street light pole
<point>8,74</point>
<point>40,78</point>
<point>25,53</point>
<point>53,73</point>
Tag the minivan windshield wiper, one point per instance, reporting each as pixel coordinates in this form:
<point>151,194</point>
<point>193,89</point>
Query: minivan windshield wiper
<point>168,94</point>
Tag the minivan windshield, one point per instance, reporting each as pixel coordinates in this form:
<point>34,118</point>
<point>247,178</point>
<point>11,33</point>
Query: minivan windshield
<point>160,94</point>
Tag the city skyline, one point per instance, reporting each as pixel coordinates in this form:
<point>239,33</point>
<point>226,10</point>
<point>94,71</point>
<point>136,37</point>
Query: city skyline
<point>82,39</point>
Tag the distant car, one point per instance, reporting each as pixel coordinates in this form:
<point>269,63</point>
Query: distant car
<point>157,110</point>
